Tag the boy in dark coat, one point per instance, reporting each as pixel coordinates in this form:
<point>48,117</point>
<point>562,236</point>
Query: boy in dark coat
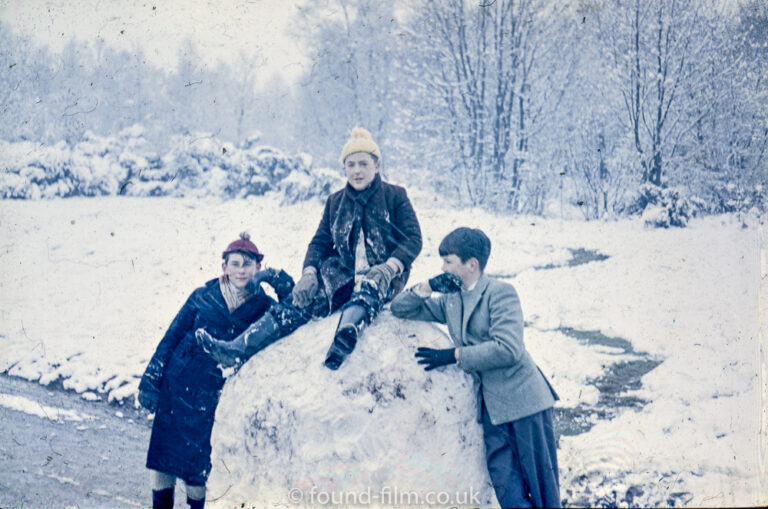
<point>181,384</point>
<point>515,400</point>
<point>358,259</point>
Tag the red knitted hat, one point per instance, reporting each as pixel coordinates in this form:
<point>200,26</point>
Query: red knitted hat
<point>243,244</point>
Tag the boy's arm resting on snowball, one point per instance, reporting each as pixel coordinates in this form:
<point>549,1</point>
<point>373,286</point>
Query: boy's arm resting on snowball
<point>494,332</point>
<point>489,343</point>
<point>412,306</point>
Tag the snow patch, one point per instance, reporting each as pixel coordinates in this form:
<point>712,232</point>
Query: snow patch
<point>31,407</point>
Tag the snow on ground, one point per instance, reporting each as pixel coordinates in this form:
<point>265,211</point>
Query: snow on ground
<point>89,286</point>
<point>28,406</point>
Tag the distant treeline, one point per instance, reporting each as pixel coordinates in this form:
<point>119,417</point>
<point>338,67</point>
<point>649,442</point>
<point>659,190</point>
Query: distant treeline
<point>515,105</point>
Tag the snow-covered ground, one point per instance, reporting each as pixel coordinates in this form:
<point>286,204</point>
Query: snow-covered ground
<point>88,286</point>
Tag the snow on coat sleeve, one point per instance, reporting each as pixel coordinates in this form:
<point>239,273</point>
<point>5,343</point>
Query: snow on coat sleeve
<point>504,347</point>
<point>182,323</point>
<point>411,306</point>
<point>407,230</point>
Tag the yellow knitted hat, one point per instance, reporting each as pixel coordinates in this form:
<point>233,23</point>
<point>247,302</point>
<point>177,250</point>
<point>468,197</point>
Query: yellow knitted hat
<point>360,141</point>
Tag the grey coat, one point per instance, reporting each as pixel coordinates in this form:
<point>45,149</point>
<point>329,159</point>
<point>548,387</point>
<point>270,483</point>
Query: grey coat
<point>486,325</point>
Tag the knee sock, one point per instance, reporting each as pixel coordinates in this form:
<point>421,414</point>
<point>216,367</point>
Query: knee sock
<point>162,499</point>
<point>195,504</point>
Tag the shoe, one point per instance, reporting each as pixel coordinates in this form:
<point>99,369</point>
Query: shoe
<point>260,334</point>
<point>226,353</point>
<point>351,323</point>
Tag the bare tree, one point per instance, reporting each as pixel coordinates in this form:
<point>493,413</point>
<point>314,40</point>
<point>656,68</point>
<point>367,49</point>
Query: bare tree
<point>731,142</point>
<point>488,77</point>
<point>656,52</point>
<point>352,45</point>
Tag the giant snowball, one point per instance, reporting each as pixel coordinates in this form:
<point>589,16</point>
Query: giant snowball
<point>379,431</point>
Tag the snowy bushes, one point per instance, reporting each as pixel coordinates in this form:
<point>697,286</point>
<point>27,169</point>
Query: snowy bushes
<point>733,197</point>
<point>194,166</point>
<point>30,171</point>
<point>663,207</point>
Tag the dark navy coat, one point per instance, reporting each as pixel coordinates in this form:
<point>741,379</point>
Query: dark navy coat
<point>384,213</point>
<point>189,381</point>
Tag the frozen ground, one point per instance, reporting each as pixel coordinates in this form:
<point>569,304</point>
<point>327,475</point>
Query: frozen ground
<point>59,450</point>
<point>89,285</point>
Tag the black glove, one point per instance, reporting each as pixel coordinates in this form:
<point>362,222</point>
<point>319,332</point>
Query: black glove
<point>381,275</point>
<point>148,400</point>
<point>259,277</point>
<point>305,290</point>
<point>280,281</point>
<point>446,283</point>
<point>432,358</point>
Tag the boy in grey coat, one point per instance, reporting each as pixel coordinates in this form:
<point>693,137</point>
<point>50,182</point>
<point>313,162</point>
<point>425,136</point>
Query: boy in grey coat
<point>515,400</point>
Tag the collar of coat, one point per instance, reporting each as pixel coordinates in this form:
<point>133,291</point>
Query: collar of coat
<point>470,299</point>
<point>215,300</point>
<point>364,195</point>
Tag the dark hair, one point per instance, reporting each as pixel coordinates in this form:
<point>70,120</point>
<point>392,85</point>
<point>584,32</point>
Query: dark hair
<point>246,254</point>
<point>467,243</point>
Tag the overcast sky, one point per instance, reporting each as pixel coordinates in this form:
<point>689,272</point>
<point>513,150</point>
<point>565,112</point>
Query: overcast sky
<point>220,29</point>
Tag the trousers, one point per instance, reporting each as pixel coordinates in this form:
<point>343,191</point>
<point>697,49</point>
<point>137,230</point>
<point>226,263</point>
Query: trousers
<point>522,460</point>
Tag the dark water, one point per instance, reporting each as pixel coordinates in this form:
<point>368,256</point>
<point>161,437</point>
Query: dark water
<point>613,384</point>
<point>579,256</point>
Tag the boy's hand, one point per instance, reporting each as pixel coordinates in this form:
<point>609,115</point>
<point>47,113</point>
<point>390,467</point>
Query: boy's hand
<point>446,283</point>
<point>281,282</point>
<point>149,400</point>
<point>305,289</point>
<point>432,358</point>
<point>381,275</point>
<point>263,276</point>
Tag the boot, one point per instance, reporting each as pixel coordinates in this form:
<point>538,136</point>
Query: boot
<point>162,499</point>
<point>257,336</point>
<point>353,319</point>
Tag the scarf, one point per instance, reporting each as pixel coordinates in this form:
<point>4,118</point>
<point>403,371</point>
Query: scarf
<point>233,295</point>
<point>347,226</point>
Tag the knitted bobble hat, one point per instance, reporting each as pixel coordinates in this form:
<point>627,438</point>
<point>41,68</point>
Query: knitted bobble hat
<point>243,244</point>
<point>360,141</point>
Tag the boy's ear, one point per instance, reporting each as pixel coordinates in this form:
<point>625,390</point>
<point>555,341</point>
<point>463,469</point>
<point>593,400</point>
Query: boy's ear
<point>474,264</point>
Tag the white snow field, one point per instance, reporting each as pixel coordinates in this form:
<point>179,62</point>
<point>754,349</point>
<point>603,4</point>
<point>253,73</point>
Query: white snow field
<point>88,286</point>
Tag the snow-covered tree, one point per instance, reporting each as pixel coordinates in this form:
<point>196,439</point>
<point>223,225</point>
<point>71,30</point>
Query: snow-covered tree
<point>484,83</point>
<point>657,53</point>
<point>731,143</point>
<point>352,45</point>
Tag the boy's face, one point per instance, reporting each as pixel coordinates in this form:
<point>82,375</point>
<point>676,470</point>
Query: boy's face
<point>466,270</point>
<point>240,269</point>
<point>360,170</point>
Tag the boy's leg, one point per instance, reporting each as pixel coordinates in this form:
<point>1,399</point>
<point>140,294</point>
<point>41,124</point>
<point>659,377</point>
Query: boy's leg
<point>363,306</point>
<point>195,496</point>
<point>279,321</point>
<point>162,489</point>
<point>535,439</point>
<point>504,467</point>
